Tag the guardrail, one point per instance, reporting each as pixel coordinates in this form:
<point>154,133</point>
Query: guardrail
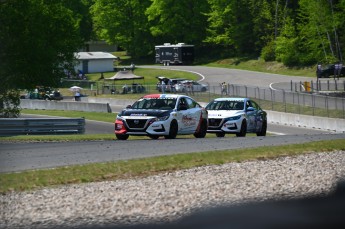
<point>32,126</point>
<point>64,105</point>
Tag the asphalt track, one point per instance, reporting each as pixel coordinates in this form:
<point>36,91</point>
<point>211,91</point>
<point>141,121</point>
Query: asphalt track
<point>26,156</point>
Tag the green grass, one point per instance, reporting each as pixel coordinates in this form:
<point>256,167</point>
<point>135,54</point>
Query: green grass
<point>262,66</point>
<point>29,180</point>
<point>148,74</point>
<point>97,116</point>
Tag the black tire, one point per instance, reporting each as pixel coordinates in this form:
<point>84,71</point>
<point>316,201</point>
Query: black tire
<point>154,136</point>
<point>173,130</point>
<point>220,135</point>
<point>122,136</point>
<point>263,129</point>
<point>202,131</point>
<point>203,89</point>
<point>243,130</point>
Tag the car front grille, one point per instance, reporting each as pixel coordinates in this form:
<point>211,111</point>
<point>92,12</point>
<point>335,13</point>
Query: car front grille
<point>136,123</point>
<point>215,122</point>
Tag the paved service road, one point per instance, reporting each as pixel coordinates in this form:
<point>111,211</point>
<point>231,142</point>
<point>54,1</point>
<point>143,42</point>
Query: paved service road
<point>214,76</point>
<point>25,156</point>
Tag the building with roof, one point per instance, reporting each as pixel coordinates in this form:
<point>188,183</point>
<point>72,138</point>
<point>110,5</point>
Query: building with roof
<point>91,62</point>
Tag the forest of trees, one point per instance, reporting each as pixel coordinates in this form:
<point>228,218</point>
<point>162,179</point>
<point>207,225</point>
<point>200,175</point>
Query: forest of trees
<point>295,32</point>
<point>38,37</point>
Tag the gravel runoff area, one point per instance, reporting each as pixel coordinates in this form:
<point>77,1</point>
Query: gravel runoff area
<point>170,196</point>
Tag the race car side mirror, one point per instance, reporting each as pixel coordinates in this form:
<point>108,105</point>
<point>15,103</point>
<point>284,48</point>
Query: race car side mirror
<point>129,106</point>
<point>250,109</point>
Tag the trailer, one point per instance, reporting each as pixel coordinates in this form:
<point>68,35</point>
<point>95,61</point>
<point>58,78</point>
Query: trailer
<point>180,53</point>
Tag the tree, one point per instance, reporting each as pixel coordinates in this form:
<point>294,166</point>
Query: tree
<point>178,21</point>
<point>38,40</point>
<point>219,28</point>
<point>82,15</point>
<point>123,22</point>
<point>287,44</point>
<point>245,26</point>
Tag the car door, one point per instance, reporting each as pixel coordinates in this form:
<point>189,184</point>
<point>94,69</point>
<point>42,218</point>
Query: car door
<point>259,117</point>
<point>251,113</point>
<point>194,113</point>
<point>196,86</point>
<point>186,116</point>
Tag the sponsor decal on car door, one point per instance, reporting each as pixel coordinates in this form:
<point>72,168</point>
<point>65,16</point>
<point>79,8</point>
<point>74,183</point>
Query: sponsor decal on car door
<point>251,117</point>
<point>186,121</point>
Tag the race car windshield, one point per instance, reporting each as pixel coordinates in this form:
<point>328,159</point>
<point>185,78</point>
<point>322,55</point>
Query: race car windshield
<point>155,104</point>
<point>225,105</point>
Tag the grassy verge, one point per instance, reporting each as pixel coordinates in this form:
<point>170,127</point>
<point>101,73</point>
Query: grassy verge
<point>262,66</point>
<point>149,76</point>
<point>97,116</point>
<point>29,180</point>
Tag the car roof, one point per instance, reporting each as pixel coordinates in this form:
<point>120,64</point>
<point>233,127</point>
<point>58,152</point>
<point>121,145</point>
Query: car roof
<point>231,99</point>
<point>162,96</point>
<point>178,79</point>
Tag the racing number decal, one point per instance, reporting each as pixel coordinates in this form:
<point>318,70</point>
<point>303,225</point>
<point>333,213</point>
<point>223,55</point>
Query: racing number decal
<point>188,120</point>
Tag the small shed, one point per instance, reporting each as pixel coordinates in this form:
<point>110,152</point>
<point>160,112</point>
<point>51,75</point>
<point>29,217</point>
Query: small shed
<point>91,62</point>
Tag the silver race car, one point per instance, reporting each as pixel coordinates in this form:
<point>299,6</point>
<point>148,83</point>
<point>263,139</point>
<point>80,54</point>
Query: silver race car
<point>165,115</point>
<point>236,116</point>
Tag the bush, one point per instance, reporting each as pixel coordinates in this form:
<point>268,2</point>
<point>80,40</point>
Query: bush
<point>9,104</point>
<point>268,52</point>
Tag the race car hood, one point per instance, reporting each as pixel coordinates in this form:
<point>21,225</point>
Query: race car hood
<point>223,113</point>
<point>139,112</point>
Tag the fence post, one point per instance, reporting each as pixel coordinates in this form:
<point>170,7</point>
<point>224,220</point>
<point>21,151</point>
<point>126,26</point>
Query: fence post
<point>313,103</point>
<point>343,100</point>
<point>336,84</point>
<point>312,86</point>
<point>272,98</point>
<point>259,95</point>
<point>327,85</point>
<point>291,87</point>
<point>299,105</point>
<point>327,106</point>
<point>284,101</point>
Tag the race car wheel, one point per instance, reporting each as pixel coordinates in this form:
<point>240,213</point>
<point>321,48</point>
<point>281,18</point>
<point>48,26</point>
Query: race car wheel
<point>263,129</point>
<point>173,130</point>
<point>122,136</point>
<point>243,130</point>
<point>203,89</point>
<point>202,131</point>
<point>154,136</point>
<point>220,135</point>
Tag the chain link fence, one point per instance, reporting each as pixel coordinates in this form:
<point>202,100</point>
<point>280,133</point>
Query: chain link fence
<point>324,98</point>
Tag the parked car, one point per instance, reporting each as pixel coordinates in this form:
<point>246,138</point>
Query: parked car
<point>328,71</point>
<point>195,86</point>
<point>43,93</point>
<point>53,95</point>
<point>236,116</point>
<point>169,84</point>
<point>165,115</point>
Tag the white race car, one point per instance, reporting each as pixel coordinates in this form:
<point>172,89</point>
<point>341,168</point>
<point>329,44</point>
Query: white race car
<point>236,116</point>
<point>190,86</point>
<point>165,115</point>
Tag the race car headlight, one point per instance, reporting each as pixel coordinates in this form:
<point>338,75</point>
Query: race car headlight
<point>163,118</point>
<point>233,118</point>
